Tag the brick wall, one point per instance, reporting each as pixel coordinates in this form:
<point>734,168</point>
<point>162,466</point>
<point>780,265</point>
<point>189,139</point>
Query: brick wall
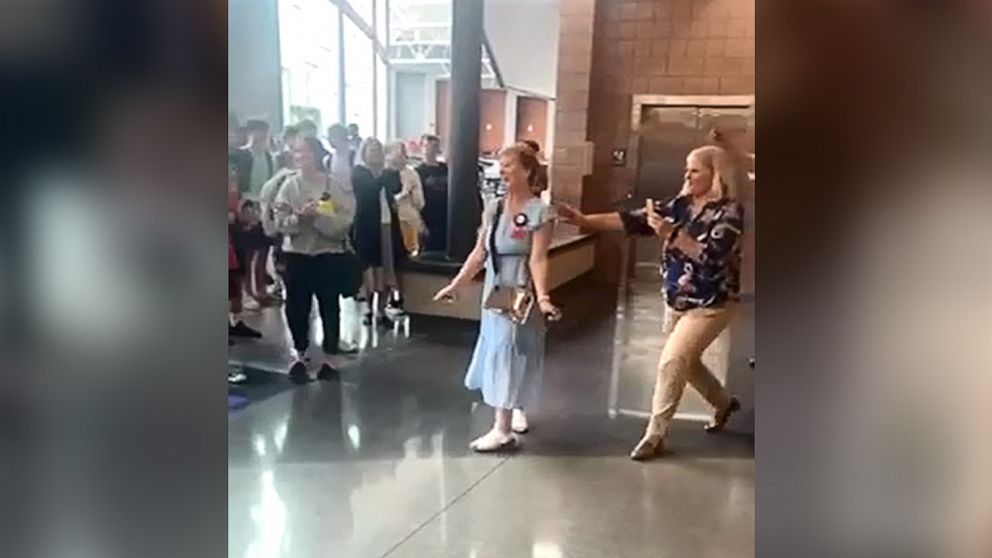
<point>659,47</point>
<point>575,46</point>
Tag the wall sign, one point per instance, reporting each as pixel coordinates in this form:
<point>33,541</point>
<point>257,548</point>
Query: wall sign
<point>619,157</point>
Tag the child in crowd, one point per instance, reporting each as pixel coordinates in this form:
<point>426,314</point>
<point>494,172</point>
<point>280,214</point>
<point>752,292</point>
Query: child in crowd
<point>235,271</point>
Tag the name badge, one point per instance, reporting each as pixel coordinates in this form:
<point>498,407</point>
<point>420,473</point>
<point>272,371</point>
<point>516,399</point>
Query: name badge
<point>519,231</point>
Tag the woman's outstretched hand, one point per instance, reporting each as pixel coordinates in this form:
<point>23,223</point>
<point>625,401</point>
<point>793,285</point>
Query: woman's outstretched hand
<point>446,294</point>
<point>570,214</point>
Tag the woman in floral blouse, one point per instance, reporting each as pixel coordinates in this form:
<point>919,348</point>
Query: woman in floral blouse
<point>701,230</point>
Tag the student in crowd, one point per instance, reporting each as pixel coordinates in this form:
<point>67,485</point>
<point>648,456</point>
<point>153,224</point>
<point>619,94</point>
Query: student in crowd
<point>340,165</point>
<point>314,212</point>
<point>341,156</point>
<point>701,230</point>
<point>254,166</point>
<point>354,141</point>
<point>512,246</point>
<point>410,199</point>
<point>236,136</point>
<point>236,327</point>
<point>267,197</point>
<point>378,239</point>
<point>234,375</point>
<point>434,180</point>
<point>307,129</point>
<point>284,159</point>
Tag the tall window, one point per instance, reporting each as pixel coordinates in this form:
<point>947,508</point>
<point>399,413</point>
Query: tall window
<point>308,39</point>
<point>382,100</point>
<point>358,84</point>
<point>381,22</point>
<point>364,9</point>
<point>313,83</point>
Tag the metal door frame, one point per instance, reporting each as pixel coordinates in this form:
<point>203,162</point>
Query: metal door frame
<point>696,101</point>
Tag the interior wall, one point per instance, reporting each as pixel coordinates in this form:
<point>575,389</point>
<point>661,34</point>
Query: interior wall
<point>659,47</point>
<point>254,71</point>
<point>442,110</point>
<point>411,118</point>
<point>492,118</point>
<point>528,64</point>
<point>532,120</point>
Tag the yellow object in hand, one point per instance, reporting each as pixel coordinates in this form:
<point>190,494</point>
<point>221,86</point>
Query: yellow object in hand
<point>326,206</point>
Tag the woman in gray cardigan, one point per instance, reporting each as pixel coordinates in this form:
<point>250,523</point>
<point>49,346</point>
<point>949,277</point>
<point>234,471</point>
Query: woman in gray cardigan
<point>314,211</point>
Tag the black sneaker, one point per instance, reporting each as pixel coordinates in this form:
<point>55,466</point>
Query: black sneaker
<point>328,373</point>
<point>395,311</point>
<point>298,373</point>
<point>367,320</point>
<point>241,329</point>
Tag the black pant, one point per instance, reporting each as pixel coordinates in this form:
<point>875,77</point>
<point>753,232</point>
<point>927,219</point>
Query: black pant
<point>306,276</point>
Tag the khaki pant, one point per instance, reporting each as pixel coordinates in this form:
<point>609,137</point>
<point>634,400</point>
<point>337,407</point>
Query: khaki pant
<point>411,237</point>
<point>689,333</point>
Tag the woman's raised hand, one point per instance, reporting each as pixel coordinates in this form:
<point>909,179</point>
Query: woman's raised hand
<point>661,228</point>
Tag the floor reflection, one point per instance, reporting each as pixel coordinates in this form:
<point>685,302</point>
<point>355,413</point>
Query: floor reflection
<point>377,464</point>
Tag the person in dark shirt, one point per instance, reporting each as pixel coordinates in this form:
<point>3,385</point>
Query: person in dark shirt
<point>354,141</point>
<point>376,233</point>
<point>254,166</point>
<point>284,159</point>
<point>701,230</point>
<point>434,178</point>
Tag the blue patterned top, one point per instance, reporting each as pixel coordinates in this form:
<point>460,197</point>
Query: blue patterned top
<point>711,278</point>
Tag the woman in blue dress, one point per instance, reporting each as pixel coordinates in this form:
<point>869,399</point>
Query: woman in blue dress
<point>509,357</point>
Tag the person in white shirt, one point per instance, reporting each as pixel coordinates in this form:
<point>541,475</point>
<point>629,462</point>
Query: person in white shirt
<point>410,200</point>
<point>341,158</point>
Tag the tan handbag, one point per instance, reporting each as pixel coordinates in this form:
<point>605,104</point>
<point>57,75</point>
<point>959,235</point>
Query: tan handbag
<point>515,303</point>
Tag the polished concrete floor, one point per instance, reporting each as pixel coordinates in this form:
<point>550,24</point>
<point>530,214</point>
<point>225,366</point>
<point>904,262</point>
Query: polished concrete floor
<point>377,464</point>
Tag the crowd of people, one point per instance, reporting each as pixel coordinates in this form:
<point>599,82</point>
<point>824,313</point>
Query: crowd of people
<point>330,218</point>
<point>337,221</point>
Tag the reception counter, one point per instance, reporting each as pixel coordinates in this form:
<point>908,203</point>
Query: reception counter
<point>572,254</point>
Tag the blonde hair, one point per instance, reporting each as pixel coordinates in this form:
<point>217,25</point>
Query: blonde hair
<point>363,149</point>
<point>394,148</point>
<point>725,162</point>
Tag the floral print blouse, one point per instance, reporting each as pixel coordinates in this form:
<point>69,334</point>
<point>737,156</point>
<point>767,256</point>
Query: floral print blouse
<point>711,277</point>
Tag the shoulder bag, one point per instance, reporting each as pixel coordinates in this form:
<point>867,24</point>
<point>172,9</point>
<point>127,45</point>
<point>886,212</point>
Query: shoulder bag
<point>515,303</point>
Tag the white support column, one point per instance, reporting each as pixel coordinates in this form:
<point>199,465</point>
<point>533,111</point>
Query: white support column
<point>510,118</point>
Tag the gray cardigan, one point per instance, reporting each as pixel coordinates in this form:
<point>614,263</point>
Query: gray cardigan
<point>324,233</point>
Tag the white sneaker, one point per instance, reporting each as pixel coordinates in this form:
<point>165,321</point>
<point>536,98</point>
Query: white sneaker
<point>494,440</point>
<point>236,377</point>
<point>297,356</point>
<point>519,422</point>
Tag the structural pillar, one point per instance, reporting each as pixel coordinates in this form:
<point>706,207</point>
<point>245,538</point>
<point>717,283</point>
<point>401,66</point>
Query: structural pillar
<point>463,144</point>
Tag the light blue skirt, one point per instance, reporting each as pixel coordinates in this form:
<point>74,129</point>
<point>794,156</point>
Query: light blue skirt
<point>508,361</point>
